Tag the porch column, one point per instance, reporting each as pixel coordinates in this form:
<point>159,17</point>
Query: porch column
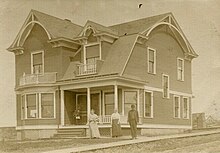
<point>88,103</point>
<point>116,96</point>
<point>62,108</point>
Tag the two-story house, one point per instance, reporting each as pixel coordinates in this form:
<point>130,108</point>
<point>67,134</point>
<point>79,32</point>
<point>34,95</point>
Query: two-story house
<point>62,66</point>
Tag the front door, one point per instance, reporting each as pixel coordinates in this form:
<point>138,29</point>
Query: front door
<point>81,104</point>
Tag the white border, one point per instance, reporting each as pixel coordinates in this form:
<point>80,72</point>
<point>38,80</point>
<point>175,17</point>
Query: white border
<point>148,68</point>
<point>37,52</point>
<point>179,68</point>
<point>152,104</point>
<point>176,96</point>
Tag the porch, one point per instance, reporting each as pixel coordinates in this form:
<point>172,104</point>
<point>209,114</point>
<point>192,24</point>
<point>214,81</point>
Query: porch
<point>103,99</point>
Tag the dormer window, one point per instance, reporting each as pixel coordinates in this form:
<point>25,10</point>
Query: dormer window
<point>37,62</point>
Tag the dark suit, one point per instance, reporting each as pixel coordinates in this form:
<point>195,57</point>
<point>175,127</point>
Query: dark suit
<point>133,119</point>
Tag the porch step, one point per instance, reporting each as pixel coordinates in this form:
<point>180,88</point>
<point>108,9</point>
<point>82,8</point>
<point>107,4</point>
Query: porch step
<point>70,132</point>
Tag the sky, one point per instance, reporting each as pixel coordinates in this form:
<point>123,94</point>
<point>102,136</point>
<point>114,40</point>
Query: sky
<point>199,20</point>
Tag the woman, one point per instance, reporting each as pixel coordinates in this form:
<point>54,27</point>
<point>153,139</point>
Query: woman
<point>93,120</point>
<point>116,127</point>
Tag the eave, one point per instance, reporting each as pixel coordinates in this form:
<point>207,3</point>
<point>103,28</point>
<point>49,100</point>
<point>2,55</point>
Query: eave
<point>64,42</point>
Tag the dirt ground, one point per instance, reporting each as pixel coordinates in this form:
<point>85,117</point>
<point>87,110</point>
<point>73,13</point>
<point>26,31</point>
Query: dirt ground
<point>199,144</point>
<point>48,144</point>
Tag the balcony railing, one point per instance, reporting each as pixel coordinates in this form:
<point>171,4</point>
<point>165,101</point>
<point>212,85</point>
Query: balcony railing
<point>105,119</point>
<point>85,69</point>
<point>38,78</point>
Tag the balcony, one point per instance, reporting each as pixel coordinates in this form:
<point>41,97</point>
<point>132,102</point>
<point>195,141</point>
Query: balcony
<point>28,79</point>
<point>86,69</point>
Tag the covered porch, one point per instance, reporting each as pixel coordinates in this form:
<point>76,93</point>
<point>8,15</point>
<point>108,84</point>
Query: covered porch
<point>102,98</point>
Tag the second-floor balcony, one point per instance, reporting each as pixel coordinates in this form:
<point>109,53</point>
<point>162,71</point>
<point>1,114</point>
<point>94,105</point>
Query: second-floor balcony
<point>28,79</point>
<point>86,69</point>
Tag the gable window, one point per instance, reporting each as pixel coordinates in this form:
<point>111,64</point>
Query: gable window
<point>165,84</point>
<point>148,104</point>
<point>151,61</point>
<point>185,107</point>
<point>37,64</point>
<point>31,103</point>
<point>47,105</point>
<point>180,69</point>
<point>176,107</point>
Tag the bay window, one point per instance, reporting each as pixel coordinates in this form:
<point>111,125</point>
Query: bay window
<point>31,103</point>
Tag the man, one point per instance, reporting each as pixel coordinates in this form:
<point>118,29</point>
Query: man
<point>133,119</point>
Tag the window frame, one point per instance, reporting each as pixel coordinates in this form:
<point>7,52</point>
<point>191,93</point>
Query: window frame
<point>32,61</point>
<point>148,60</point>
<point>179,106</point>
<point>168,85</point>
<point>152,104</point>
<point>187,107</point>
<point>103,100</point>
<point>85,51</point>
<point>123,99</point>
<point>36,102</point>
<point>40,105</point>
<point>180,69</point>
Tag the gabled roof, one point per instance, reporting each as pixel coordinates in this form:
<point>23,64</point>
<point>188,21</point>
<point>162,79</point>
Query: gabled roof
<point>137,26</point>
<point>58,27</point>
<point>118,55</point>
<point>98,28</point>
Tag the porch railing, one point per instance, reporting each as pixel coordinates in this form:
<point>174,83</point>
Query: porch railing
<point>37,78</point>
<point>107,119</point>
<point>85,69</point>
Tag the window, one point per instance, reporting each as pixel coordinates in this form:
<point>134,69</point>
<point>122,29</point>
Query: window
<point>47,105</point>
<point>22,107</point>
<point>91,63</point>
<point>130,97</point>
<point>176,106</point>
<point>185,107</point>
<point>180,69</point>
<point>109,103</point>
<point>42,103</point>
<point>31,100</point>
<point>165,82</point>
<point>148,104</point>
<point>37,66</point>
<point>151,61</point>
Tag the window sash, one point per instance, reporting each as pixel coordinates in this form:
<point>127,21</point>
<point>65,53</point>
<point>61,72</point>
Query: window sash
<point>165,86</point>
<point>151,61</point>
<point>176,107</point>
<point>31,104</point>
<point>185,108</point>
<point>37,65</point>
<point>180,69</point>
<point>109,103</point>
<point>47,105</point>
<point>148,104</point>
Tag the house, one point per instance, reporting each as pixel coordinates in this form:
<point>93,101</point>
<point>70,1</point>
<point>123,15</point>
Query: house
<point>62,66</point>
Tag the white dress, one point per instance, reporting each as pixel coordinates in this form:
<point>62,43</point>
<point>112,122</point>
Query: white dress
<point>94,130</point>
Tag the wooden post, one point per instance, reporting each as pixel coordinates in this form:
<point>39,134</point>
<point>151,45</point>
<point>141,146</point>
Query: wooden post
<point>116,97</point>
<point>88,103</point>
<point>62,108</point>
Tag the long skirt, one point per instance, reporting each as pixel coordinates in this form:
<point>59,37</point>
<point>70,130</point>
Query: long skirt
<point>116,128</point>
<point>94,130</point>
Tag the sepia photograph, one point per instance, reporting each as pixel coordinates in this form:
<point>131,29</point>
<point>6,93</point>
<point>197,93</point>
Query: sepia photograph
<point>109,76</point>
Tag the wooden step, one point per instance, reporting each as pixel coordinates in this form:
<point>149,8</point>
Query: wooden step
<point>71,132</point>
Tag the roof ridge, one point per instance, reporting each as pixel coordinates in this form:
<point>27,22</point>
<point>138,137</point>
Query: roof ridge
<point>168,13</point>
